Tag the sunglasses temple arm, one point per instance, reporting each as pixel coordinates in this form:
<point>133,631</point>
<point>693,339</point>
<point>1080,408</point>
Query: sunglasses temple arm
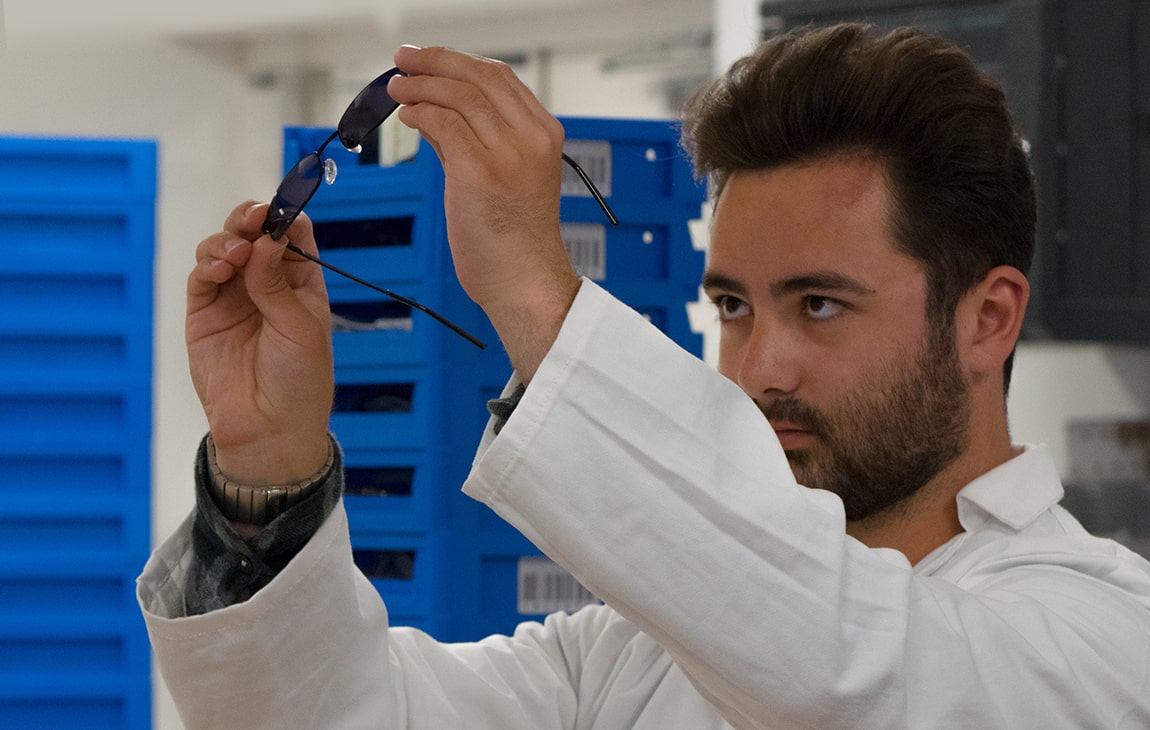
<point>427,310</point>
<point>591,187</point>
<point>397,297</point>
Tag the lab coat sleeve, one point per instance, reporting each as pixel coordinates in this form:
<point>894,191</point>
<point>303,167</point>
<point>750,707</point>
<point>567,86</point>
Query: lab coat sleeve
<point>662,488</point>
<point>313,649</point>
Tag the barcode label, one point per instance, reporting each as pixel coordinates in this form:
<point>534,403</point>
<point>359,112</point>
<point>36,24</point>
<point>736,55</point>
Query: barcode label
<point>587,248</point>
<point>544,587</point>
<point>594,156</point>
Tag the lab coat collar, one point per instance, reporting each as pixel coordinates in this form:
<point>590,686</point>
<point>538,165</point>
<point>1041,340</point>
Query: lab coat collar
<point>1014,493</point>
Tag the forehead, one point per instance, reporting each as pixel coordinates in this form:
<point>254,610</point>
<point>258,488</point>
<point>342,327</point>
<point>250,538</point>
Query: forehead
<point>811,214</point>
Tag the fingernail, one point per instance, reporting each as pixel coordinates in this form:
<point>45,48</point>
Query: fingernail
<point>408,45</point>
<point>233,244</point>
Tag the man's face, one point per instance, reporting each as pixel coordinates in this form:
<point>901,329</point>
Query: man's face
<point>823,323</point>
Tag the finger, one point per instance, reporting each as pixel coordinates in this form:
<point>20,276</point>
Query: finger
<point>246,219</point>
<point>446,109</point>
<point>204,281</point>
<point>289,293</point>
<point>495,79</point>
<point>485,92</point>
<point>218,258</point>
<point>302,233</point>
<point>224,246</point>
<point>227,249</point>
<point>475,143</point>
<point>245,226</point>
<point>448,133</point>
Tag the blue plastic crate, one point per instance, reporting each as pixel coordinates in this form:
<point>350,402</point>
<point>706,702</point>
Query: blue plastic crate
<point>407,570</point>
<point>373,331</point>
<point>77,230</point>
<point>392,490</point>
<point>629,159</point>
<point>55,169</point>
<point>651,243</point>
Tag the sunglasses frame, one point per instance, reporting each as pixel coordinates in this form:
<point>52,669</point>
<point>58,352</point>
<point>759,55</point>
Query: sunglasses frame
<point>282,212</point>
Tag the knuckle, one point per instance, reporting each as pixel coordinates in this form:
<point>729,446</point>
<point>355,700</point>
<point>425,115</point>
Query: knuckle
<point>431,54</point>
<point>493,68</point>
<point>543,141</point>
<point>555,129</point>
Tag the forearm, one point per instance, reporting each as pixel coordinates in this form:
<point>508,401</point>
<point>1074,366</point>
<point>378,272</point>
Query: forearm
<point>528,325</point>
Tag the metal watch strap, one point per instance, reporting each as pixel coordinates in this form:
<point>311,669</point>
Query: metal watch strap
<point>261,505</point>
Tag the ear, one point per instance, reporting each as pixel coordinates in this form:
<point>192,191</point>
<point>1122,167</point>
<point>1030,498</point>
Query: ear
<point>989,318</point>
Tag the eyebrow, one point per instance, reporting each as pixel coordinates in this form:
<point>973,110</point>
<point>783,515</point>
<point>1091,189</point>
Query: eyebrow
<point>715,280</point>
<point>825,281</point>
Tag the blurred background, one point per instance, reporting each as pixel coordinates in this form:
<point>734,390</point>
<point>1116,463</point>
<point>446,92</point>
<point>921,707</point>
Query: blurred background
<point>214,84</point>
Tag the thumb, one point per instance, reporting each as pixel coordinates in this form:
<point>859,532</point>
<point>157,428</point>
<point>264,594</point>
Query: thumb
<point>268,286</point>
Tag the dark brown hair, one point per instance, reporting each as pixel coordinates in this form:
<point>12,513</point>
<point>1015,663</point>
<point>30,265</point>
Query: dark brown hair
<point>961,185</point>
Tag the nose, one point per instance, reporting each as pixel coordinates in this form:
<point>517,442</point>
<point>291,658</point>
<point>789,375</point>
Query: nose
<point>764,362</point>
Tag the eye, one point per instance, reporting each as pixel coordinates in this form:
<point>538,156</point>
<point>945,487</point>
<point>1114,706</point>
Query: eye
<point>730,308</point>
<point>822,308</point>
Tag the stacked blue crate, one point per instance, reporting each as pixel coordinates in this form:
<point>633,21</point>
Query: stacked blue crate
<point>77,238</point>
<point>411,395</point>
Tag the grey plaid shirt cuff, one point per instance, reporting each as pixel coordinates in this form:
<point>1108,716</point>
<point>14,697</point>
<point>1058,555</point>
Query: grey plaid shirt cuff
<point>227,569</point>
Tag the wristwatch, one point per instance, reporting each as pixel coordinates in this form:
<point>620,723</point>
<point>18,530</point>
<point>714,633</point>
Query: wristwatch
<point>261,505</point>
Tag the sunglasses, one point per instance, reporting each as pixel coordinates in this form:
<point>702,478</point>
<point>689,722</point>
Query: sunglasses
<point>363,116</point>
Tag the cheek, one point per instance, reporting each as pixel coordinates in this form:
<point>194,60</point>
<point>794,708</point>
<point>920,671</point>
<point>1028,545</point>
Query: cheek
<point>728,367</point>
<point>833,382</point>
<point>731,354</point>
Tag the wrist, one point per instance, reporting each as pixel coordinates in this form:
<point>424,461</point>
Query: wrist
<point>260,504</point>
<point>529,325</point>
<point>270,461</point>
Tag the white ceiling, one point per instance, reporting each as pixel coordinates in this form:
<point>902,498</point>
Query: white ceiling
<point>166,18</point>
<point>266,32</point>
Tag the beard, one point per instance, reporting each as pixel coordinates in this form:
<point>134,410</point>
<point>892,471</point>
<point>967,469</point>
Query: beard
<point>884,441</point>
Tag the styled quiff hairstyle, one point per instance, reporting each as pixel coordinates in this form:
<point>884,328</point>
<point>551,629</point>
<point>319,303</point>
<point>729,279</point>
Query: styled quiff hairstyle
<point>960,182</point>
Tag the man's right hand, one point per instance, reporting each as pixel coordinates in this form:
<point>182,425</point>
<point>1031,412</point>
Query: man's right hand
<point>502,165</point>
<point>258,333</point>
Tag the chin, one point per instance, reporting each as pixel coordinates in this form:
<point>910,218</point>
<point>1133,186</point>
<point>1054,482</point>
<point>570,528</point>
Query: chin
<point>799,461</point>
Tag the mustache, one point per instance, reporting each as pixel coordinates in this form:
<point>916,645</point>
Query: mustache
<point>792,410</point>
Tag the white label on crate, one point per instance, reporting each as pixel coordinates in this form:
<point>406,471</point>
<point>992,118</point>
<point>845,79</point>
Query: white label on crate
<point>544,587</point>
<point>587,247</point>
<point>594,156</point>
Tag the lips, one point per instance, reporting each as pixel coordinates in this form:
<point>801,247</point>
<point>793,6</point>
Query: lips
<point>792,436</point>
<point>796,424</point>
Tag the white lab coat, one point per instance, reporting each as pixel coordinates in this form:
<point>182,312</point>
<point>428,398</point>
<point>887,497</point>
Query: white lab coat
<point>734,594</point>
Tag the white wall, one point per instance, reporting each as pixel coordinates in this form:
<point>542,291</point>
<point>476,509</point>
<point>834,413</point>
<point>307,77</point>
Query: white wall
<point>1055,383</point>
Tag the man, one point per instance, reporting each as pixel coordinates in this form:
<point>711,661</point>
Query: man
<point>874,222</point>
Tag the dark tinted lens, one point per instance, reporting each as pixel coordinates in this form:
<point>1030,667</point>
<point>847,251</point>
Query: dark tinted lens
<point>292,195</point>
<point>367,111</point>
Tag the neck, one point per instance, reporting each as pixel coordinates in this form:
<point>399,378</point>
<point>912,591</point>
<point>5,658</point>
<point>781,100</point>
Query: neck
<point>928,518</point>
